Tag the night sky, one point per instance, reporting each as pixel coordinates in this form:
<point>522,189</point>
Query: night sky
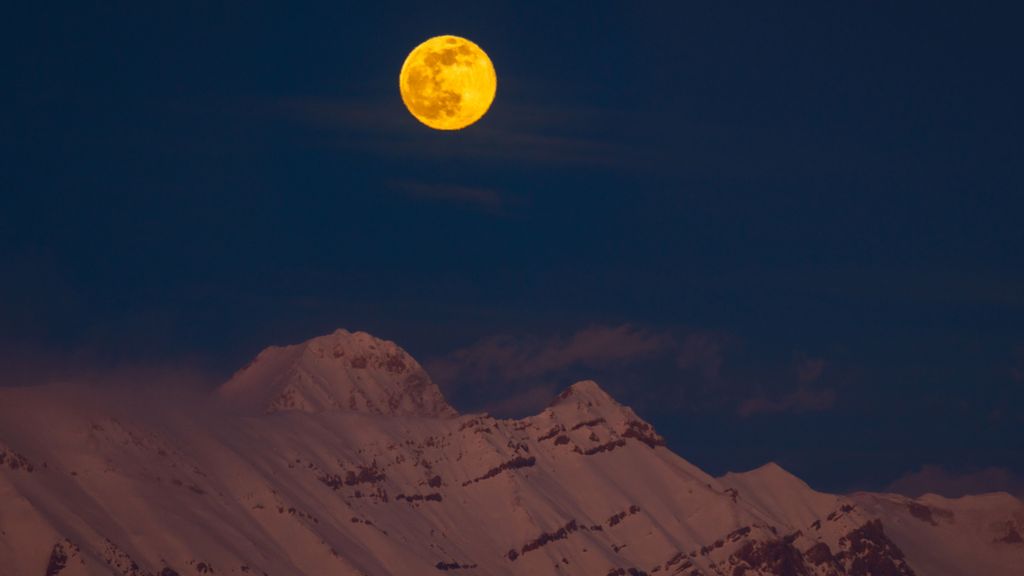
<point>788,233</point>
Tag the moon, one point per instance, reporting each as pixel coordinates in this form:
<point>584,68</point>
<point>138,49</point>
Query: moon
<point>448,82</point>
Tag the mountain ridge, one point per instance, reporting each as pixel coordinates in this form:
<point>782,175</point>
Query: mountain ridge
<point>583,487</point>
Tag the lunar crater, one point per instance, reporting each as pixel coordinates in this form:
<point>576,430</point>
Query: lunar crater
<point>448,83</point>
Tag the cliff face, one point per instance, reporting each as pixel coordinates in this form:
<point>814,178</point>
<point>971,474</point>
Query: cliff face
<point>364,469</point>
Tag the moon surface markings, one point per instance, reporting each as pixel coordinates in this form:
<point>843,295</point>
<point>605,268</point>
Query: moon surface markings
<point>447,82</point>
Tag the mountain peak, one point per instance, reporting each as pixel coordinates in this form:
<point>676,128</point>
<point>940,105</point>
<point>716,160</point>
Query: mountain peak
<point>347,371</point>
<point>585,394</point>
<point>770,473</point>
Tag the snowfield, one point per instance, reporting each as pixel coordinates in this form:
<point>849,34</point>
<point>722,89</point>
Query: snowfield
<point>340,456</point>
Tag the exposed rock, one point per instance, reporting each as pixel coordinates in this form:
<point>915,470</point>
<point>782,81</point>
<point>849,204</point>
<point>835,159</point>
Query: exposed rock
<point>63,553</point>
<point>513,464</point>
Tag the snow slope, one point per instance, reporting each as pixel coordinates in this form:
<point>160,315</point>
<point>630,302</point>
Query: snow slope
<point>339,371</point>
<point>343,458</point>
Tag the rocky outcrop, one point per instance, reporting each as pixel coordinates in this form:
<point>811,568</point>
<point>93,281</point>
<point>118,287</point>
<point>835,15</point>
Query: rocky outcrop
<point>15,461</point>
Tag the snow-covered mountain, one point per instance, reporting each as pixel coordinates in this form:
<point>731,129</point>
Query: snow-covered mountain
<point>340,456</point>
<point>340,371</point>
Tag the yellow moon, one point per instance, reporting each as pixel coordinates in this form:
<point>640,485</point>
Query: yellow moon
<point>448,82</point>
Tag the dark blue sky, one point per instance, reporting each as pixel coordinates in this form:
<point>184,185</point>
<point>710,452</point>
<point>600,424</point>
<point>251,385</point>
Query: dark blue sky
<point>787,233</point>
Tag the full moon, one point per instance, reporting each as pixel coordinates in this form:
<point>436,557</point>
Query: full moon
<point>447,82</point>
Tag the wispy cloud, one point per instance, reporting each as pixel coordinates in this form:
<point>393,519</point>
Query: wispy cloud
<point>799,389</point>
<point>86,367</point>
<point>702,352</point>
<point>809,369</point>
<point>938,480</point>
<point>653,369</point>
<point>509,374</point>
<point>506,358</point>
<point>486,199</point>
<point>803,399</point>
<point>519,135</point>
<point>529,401</point>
